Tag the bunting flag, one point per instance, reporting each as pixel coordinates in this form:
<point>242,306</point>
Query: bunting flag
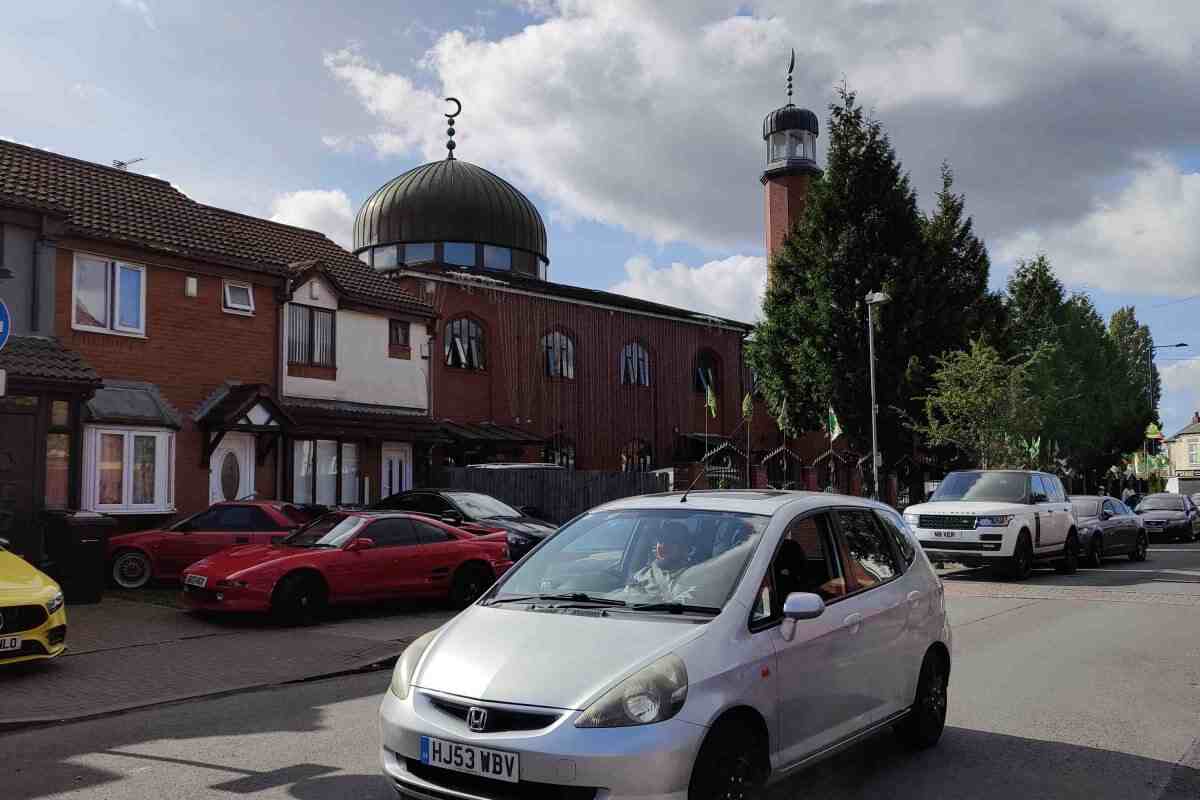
<point>710,399</point>
<point>747,407</point>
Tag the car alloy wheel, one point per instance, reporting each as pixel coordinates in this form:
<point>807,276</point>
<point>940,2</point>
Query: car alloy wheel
<point>131,570</point>
<point>729,765</point>
<point>927,719</point>
<point>1096,554</point>
<point>470,583</point>
<point>1139,549</point>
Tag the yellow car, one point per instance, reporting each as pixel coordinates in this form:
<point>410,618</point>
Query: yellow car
<point>33,621</point>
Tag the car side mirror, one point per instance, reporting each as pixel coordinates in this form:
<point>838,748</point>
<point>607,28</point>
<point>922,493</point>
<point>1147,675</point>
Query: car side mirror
<point>803,605</point>
<point>1104,515</point>
<point>451,520</point>
<point>4,544</point>
<point>361,543</point>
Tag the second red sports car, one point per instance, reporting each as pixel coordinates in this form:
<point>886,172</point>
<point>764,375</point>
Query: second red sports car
<point>348,557</point>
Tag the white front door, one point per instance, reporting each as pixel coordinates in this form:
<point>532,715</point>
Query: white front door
<point>231,468</point>
<point>397,469</point>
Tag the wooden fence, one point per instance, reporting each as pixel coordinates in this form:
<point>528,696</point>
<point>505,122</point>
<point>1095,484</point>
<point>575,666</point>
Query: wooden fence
<point>558,494</point>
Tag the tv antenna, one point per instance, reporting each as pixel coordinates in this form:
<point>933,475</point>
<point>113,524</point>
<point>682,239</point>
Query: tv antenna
<point>122,165</point>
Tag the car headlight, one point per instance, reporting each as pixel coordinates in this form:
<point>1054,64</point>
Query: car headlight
<point>402,674</point>
<point>232,584</point>
<point>912,519</point>
<point>55,603</point>
<point>997,521</point>
<point>518,540</point>
<point>652,694</point>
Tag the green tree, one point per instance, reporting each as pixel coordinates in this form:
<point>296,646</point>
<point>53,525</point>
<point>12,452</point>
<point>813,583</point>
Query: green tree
<point>861,232</point>
<point>981,406</point>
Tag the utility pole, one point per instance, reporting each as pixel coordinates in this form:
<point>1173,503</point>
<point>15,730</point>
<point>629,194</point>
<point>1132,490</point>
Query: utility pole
<point>874,299</point>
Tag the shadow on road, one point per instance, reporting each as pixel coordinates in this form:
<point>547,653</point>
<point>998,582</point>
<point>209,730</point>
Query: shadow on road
<point>359,787</point>
<point>47,761</point>
<point>989,766</point>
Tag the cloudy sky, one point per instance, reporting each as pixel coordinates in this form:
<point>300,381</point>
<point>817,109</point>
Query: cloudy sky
<point>1073,125</point>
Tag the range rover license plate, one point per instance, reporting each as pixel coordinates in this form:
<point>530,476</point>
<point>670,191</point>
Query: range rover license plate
<point>945,534</point>
<point>470,759</point>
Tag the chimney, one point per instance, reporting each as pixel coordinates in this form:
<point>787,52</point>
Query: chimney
<point>1196,417</point>
<point>790,133</point>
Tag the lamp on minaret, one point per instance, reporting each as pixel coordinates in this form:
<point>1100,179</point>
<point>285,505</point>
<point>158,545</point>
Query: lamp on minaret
<point>790,133</point>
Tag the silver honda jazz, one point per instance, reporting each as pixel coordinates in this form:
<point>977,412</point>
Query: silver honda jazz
<point>676,646</point>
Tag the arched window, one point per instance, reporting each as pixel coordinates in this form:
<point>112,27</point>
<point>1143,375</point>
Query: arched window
<point>464,344</point>
<point>560,450</point>
<point>708,373</point>
<point>636,456</point>
<point>635,365</point>
<point>558,352</point>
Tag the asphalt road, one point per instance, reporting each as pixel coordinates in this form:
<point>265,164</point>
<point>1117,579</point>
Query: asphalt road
<point>1084,686</point>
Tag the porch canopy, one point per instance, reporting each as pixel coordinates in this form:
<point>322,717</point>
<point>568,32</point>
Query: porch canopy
<point>341,419</point>
<point>245,408</point>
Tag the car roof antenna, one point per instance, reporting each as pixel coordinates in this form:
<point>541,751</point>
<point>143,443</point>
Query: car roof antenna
<point>692,486</point>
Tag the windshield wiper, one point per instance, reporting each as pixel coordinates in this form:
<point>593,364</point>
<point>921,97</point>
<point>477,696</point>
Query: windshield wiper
<point>570,597</point>
<point>676,608</point>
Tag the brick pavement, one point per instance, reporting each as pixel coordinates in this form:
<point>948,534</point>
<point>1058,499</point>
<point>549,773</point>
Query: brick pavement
<point>126,655</point>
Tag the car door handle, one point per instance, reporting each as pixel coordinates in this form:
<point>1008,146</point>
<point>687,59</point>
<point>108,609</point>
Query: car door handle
<point>853,622</point>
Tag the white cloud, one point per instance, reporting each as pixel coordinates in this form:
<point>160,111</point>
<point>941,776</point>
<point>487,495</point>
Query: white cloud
<point>1181,393</point>
<point>646,116</point>
<point>325,210</point>
<point>1145,239</point>
<point>731,287</point>
<point>141,8</point>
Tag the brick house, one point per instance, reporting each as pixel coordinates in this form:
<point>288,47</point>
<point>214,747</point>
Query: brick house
<point>149,346</point>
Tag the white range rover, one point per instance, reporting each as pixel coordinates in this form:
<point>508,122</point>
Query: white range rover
<point>998,518</point>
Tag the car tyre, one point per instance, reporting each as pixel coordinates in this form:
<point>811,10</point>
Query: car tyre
<point>131,569</point>
<point>1069,563</point>
<point>470,582</point>
<point>731,764</point>
<point>299,599</point>
<point>922,728</point>
<point>1140,548</point>
<point>1096,552</point>
<point>1021,562</point>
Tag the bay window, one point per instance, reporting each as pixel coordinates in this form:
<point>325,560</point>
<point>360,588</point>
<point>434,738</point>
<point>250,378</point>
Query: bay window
<point>108,296</point>
<point>128,470</point>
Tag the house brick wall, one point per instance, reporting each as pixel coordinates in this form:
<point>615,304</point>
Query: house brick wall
<point>190,348</point>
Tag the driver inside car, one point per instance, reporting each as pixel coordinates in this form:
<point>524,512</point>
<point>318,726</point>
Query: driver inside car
<point>656,581</point>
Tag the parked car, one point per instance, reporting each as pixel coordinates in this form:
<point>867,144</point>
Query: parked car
<point>724,643</point>
<point>473,512</point>
<point>1107,528</point>
<point>135,559</point>
<point>348,557</point>
<point>33,618</point>
<point>1173,517</point>
<point>1007,519</point>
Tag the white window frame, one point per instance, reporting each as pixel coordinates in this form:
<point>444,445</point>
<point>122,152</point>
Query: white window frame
<point>1193,444</point>
<point>112,296</point>
<point>227,304</point>
<point>164,470</point>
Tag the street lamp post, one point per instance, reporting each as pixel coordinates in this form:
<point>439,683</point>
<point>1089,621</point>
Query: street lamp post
<point>874,299</point>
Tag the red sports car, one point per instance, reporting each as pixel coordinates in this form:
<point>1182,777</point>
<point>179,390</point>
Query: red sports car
<point>349,557</point>
<point>137,558</point>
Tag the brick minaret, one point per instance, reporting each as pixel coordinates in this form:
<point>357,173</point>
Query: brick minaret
<point>790,133</point>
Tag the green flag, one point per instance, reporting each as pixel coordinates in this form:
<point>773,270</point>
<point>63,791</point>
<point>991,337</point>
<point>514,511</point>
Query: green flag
<point>747,407</point>
<point>710,399</point>
<point>835,430</point>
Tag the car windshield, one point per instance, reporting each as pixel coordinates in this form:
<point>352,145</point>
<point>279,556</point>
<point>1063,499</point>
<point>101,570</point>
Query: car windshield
<point>641,557</point>
<point>331,530</point>
<point>1008,487</point>
<point>1161,504</point>
<point>1086,508</point>
<point>482,506</point>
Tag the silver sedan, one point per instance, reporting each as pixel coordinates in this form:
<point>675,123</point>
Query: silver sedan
<point>676,646</point>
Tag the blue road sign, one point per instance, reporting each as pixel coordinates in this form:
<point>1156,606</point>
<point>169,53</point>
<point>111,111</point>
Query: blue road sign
<point>5,324</point>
